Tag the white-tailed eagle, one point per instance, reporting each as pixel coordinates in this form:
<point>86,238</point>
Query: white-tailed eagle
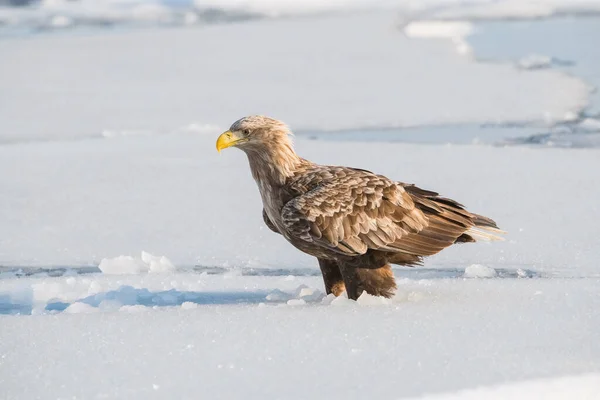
<point>355,222</point>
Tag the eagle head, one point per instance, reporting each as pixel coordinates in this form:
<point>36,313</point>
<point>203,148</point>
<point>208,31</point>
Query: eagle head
<point>255,132</point>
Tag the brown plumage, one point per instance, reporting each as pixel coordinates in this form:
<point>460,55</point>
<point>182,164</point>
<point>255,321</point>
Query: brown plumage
<point>355,222</point>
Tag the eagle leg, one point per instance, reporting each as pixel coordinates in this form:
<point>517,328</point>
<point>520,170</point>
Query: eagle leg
<point>332,276</point>
<point>375,281</point>
<point>351,281</point>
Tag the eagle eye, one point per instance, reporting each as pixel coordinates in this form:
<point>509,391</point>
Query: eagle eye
<point>246,132</point>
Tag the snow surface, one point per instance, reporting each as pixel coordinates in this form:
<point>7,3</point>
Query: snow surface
<point>376,77</point>
<point>260,326</point>
<point>119,337</point>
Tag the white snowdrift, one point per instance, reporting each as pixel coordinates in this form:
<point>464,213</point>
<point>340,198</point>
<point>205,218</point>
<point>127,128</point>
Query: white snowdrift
<point>133,265</point>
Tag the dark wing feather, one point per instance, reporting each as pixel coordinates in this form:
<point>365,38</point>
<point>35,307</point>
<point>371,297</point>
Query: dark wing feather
<point>357,211</point>
<point>268,222</point>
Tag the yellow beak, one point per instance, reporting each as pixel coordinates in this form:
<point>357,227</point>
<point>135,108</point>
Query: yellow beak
<point>227,139</point>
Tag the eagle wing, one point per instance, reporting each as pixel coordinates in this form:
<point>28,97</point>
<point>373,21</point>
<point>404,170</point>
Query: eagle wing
<point>354,210</point>
<point>268,222</point>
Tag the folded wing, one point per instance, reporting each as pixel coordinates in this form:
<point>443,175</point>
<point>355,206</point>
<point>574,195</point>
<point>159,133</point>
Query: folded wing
<point>357,211</point>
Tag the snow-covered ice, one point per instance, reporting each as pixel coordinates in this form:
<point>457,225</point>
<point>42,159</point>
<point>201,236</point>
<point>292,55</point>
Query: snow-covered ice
<point>74,203</point>
<point>438,335</point>
<point>134,262</point>
<point>376,77</point>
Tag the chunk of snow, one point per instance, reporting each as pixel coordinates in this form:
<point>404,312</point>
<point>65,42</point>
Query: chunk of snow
<point>81,308</point>
<point>307,293</point>
<point>310,294</point>
<point>479,271</point>
<point>366,299</point>
<point>122,265</point>
<point>327,300</point>
<point>343,301</point>
<point>132,265</point>
<point>300,289</point>
<point>535,61</point>
<point>278,295</point>
<point>157,264</point>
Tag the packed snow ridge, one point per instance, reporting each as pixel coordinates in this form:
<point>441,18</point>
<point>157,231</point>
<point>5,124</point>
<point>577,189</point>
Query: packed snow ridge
<point>457,31</point>
<point>135,265</point>
<point>581,387</point>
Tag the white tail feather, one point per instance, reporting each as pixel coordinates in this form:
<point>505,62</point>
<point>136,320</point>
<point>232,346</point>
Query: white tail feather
<point>485,233</point>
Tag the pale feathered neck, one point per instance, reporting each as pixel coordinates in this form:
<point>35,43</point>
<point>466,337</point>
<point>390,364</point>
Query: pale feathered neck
<point>274,162</point>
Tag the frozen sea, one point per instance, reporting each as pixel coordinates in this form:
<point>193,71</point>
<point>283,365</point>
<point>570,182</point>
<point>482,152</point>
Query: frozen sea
<point>134,262</point>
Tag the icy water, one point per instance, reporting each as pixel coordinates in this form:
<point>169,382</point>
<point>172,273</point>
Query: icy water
<point>571,44</point>
<point>568,44</point>
<point>445,134</point>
